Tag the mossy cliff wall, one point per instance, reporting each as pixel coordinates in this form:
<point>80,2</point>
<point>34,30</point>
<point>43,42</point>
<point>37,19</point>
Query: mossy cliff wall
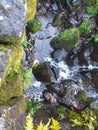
<point>13,17</point>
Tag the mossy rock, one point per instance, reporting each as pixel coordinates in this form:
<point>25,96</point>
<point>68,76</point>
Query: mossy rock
<point>12,79</point>
<point>12,39</point>
<point>34,25</point>
<point>13,117</point>
<point>31,9</point>
<point>66,39</point>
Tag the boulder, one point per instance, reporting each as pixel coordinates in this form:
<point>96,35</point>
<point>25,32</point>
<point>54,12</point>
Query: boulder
<point>34,25</point>
<point>31,9</point>
<point>66,39</point>
<point>12,20</point>
<point>11,78</point>
<point>12,117</point>
<point>44,73</point>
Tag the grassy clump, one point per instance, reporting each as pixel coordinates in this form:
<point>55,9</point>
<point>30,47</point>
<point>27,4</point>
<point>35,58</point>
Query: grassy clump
<point>52,124</point>
<point>92,6</point>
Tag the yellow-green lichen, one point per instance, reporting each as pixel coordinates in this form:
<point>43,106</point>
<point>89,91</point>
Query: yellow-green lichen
<point>31,9</point>
<point>11,84</point>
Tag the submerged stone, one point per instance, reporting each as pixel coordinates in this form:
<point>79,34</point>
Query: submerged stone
<point>31,9</point>
<point>12,20</point>
<point>10,74</point>
<point>44,73</point>
<point>66,39</point>
<point>59,55</point>
<point>34,25</point>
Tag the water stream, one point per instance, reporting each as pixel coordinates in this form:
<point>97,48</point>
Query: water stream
<point>64,71</point>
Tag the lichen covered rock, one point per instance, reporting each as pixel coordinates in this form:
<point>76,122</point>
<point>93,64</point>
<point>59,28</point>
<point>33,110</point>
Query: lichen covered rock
<point>34,25</point>
<point>31,9</point>
<point>66,39</point>
<point>12,20</point>
<point>12,117</point>
<point>11,77</point>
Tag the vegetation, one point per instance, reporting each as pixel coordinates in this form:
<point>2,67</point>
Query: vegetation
<point>85,27</point>
<point>86,118</point>
<point>95,37</point>
<point>92,7</point>
<point>27,78</point>
<point>52,124</point>
<point>32,107</point>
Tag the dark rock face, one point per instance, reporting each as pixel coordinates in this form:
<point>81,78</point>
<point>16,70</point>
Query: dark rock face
<point>44,73</point>
<point>12,19</point>
<point>70,94</point>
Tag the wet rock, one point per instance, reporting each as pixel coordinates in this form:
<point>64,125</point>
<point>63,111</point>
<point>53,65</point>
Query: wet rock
<point>12,117</point>
<point>44,73</point>
<point>12,20</point>
<point>59,55</point>
<point>31,9</point>
<point>56,21</point>
<point>70,94</point>
<point>34,25</point>
<point>66,39</point>
<point>94,54</point>
<point>57,88</point>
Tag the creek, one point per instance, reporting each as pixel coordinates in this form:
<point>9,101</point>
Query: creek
<point>77,65</point>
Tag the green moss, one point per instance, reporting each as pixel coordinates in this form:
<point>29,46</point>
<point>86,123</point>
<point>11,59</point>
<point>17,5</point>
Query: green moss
<point>92,7</point>
<point>31,9</point>
<point>66,39</point>
<point>11,84</point>
<point>85,27</point>
<point>95,37</point>
<point>56,21</point>
<point>12,40</point>
<point>81,95</point>
<point>27,76</point>
<point>34,25</point>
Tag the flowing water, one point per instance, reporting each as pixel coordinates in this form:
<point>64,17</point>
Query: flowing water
<point>64,71</point>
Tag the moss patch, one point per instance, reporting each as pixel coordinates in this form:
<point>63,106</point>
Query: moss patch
<point>34,25</point>
<point>66,39</point>
<point>11,84</point>
<point>12,39</point>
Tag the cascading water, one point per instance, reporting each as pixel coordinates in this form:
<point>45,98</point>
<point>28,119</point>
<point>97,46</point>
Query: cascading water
<point>64,71</point>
